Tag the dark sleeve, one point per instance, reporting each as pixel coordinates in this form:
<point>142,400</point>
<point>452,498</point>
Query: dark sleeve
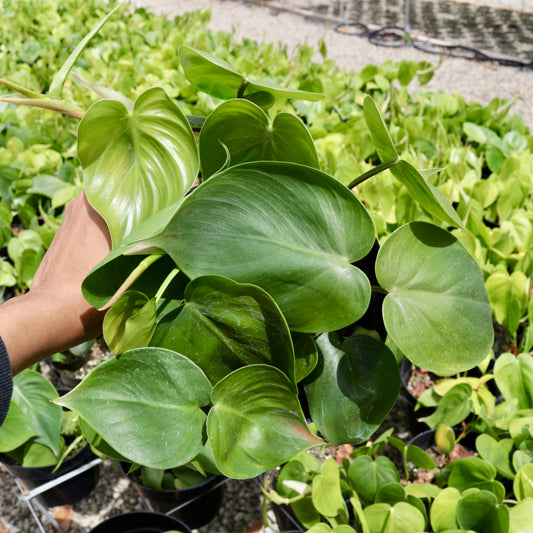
<point>6,382</point>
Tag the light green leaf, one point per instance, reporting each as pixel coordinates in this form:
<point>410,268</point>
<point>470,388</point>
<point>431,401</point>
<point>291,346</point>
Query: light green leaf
<point>245,131</point>
<point>437,311</point>
<point>157,422</point>
<point>136,164</point>
<point>326,491</point>
<point>400,518</point>
<point>443,510</point>
<point>523,483</point>
<point>521,517</point>
<point>130,322</point>
<point>256,422</point>
<point>453,407</point>
<point>495,453</point>
<point>514,378</point>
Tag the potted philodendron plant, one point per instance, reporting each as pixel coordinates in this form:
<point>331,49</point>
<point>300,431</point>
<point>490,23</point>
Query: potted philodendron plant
<point>40,442</point>
<point>222,301</point>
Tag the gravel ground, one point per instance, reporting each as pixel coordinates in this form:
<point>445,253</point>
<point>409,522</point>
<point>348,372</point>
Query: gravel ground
<point>475,81</point>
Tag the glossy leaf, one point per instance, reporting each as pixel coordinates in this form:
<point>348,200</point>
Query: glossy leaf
<point>150,164</point>
<point>223,325</point>
<point>523,482</point>
<point>56,87</point>
<point>367,475</point>
<point>326,492</point>
<point>256,422</point>
<point>400,518</point>
<point>33,394</point>
<point>480,511</point>
<point>495,453</point>
<point>380,134</point>
<point>470,472</point>
<point>130,322</point>
<point>514,378</point>
<point>107,278</point>
<point>521,517</point>
<point>428,196</point>
<point>15,430</point>
<point>452,408</point>
<point>300,252</point>
<point>147,405</point>
<point>443,511</point>
<point>245,130</point>
<point>218,78</point>
<point>437,310</point>
<point>353,387</point>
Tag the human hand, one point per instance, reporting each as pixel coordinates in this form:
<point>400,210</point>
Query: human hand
<point>53,315</point>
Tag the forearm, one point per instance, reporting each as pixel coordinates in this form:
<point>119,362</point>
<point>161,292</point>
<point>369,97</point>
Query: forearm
<point>36,325</point>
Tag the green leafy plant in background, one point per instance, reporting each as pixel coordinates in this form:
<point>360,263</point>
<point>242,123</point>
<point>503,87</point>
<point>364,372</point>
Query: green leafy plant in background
<point>37,432</point>
<point>366,493</point>
<point>223,300</point>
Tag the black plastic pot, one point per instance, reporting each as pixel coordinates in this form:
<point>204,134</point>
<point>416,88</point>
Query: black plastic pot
<point>141,522</point>
<point>197,505</point>
<point>286,519</point>
<point>68,492</point>
<point>426,439</point>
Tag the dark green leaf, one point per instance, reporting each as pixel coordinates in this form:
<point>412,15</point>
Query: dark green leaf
<point>353,387</point>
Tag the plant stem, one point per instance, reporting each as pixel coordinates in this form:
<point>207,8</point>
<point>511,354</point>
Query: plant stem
<point>242,88</point>
<point>378,289</point>
<point>373,171</point>
<point>172,274</point>
<point>134,276</point>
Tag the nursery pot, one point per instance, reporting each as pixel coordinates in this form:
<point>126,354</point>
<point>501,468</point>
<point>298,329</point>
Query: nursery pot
<point>197,505</point>
<point>140,522</point>
<point>68,492</point>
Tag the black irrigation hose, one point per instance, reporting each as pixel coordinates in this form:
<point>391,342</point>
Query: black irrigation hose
<point>396,37</point>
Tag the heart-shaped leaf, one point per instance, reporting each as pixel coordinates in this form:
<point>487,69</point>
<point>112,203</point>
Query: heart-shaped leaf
<point>300,252</point>
<point>256,422</point>
<point>400,518</point>
<point>480,511</point>
<point>437,311</point>
<point>223,325</point>
<point>367,475</point>
<point>147,404</point>
<point>514,378</point>
<point>136,164</point>
<point>523,483</point>
<point>326,491</point>
<point>15,430</point>
<point>218,78</point>
<point>33,394</point>
<point>245,131</point>
<point>443,510</point>
<point>353,387</point>
<point>130,322</point>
